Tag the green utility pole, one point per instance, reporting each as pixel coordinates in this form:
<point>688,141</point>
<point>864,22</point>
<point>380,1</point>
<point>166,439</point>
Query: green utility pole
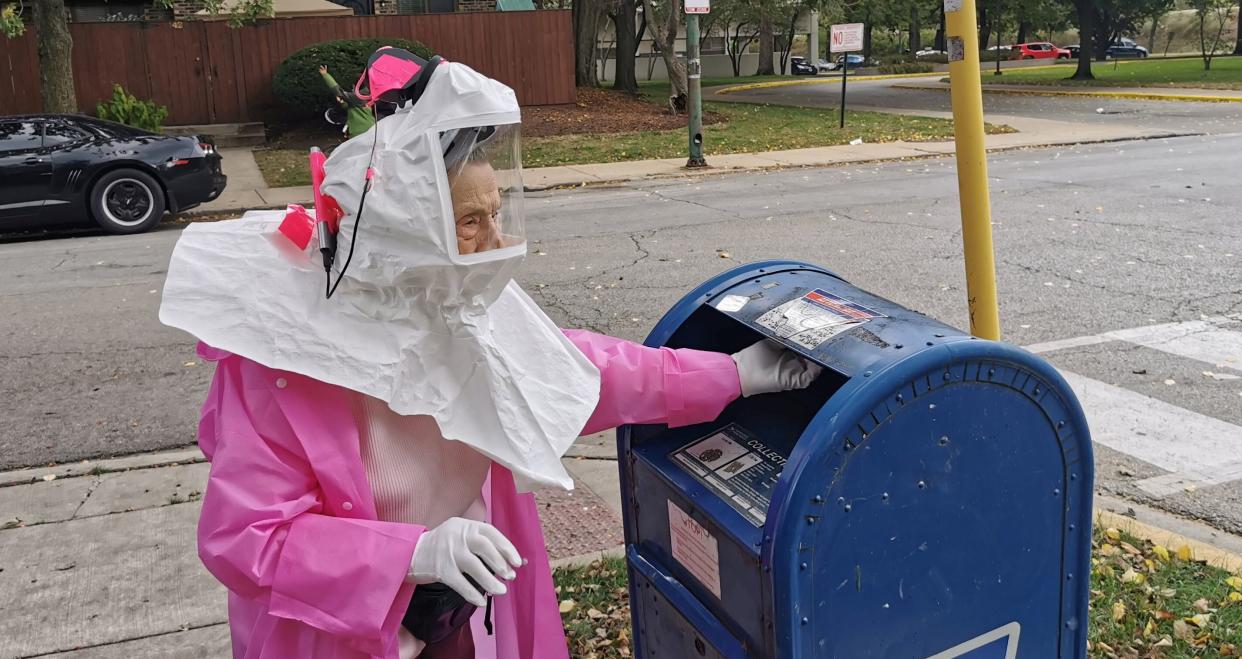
<point>694,73</point>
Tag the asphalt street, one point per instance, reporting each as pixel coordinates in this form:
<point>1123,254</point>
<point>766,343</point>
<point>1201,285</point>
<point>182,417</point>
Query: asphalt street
<point>1126,257</point>
<point>888,94</point>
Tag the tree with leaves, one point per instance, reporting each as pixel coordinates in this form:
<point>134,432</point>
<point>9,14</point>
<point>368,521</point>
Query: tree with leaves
<point>1212,17</point>
<point>1237,46</point>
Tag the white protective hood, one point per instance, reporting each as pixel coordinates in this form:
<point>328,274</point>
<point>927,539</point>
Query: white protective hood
<point>412,323</point>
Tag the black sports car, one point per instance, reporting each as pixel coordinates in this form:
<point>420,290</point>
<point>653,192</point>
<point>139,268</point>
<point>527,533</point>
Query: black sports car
<point>65,170</point>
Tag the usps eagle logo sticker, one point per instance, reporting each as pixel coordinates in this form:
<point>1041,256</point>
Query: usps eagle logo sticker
<point>1000,643</point>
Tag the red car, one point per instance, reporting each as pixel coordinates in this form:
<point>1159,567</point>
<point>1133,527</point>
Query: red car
<point>1039,50</point>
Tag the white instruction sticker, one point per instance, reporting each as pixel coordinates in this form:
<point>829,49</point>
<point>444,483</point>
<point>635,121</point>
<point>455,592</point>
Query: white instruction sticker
<point>957,49</point>
<point>951,6</point>
<point>732,303</point>
<point>695,548</point>
<point>814,318</point>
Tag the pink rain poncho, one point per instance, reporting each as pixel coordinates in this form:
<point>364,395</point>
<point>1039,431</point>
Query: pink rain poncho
<point>289,523</point>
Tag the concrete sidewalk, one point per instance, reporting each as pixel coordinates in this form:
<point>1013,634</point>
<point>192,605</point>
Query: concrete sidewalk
<point>247,189</point>
<point>1142,93</point>
<point>98,559</point>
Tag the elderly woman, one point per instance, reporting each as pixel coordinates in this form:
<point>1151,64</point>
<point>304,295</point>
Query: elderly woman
<point>371,451</point>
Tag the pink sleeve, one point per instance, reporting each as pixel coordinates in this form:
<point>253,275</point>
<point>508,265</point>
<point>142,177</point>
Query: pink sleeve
<point>265,534</point>
<point>656,385</point>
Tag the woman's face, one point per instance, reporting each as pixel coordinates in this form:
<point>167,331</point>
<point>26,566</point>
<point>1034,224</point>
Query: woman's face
<point>476,208</point>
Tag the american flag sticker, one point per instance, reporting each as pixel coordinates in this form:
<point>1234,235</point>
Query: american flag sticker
<point>839,306</point>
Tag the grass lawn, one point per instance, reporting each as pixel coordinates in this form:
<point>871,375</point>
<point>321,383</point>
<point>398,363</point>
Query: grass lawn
<point>746,128</point>
<point>1226,73</point>
<point>1146,601</point>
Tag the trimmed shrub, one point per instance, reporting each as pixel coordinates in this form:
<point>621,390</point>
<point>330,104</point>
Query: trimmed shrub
<point>906,67</point>
<point>125,108</point>
<point>298,86</point>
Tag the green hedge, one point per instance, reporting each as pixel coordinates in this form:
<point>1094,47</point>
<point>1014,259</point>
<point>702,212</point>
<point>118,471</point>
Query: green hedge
<point>298,86</point>
<point>906,67</point>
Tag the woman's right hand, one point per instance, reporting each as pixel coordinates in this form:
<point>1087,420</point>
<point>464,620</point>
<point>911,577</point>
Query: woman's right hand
<point>459,548</point>
<point>323,68</point>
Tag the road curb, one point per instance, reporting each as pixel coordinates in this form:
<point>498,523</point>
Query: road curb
<point>1200,550</point>
<point>102,466</point>
<point>588,558</point>
<point>1140,96</point>
<point>718,171</point>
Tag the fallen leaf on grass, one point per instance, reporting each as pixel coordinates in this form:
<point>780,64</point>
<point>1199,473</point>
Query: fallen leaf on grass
<point>1202,605</point>
<point>1112,534</point>
<point>567,606</point>
<point>1161,552</point>
<point>594,614</point>
<point>1131,549</point>
<point>1119,611</point>
<point>1234,582</point>
<point>1184,553</point>
<point>1165,642</point>
<point>1109,550</point>
<point>1130,576</point>
<point>1183,631</point>
<point>1199,620</point>
<point>1162,615</point>
<point>1235,596</point>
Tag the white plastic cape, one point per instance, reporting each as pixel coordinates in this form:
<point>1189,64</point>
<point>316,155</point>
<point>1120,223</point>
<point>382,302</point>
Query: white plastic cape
<point>412,323</point>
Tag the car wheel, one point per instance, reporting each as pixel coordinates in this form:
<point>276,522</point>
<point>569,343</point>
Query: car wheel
<point>126,201</point>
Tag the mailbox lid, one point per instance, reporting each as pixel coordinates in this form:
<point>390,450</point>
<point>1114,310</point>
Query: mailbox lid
<point>827,319</point>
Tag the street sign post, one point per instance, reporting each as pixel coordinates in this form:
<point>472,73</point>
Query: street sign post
<point>845,38</point>
<point>694,72</point>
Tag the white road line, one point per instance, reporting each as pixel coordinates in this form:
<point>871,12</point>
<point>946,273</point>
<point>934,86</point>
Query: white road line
<point>1063,344</point>
<point>1196,448</point>
<point>1199,340</point>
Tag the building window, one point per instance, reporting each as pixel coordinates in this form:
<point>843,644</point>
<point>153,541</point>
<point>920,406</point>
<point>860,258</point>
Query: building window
<point>712,46</point>
<point>426,6</point>
<point>106,13</point>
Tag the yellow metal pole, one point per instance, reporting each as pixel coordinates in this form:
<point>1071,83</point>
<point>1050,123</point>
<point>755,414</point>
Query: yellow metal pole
<point>972,167</point>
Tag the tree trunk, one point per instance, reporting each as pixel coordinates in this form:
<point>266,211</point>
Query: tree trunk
<point>585,15</point>
<point>55,47</point>
<point>940,45</point>
<point>765,48</point>
<point>1151,34</point>
<point>1237,46</point>
<point>787,47</point>
<point>866,38</point>
<point>665,38</point>
<point>985,30</point>
<point>1086,11</point>
<point>1023,28</point>
<point>626,79</point>
<point>916,30</point>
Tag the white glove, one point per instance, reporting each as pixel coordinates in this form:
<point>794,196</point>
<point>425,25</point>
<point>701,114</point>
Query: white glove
<point>766,367</point>
<point>459,548</point>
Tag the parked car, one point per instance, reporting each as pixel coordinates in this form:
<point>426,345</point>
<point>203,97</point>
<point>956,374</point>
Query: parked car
<point>1120,48</point>
<point>800,67</point>
<point>824,65</point>
<point>855,61</point>
<point>1039,50</point>
<point>1126,48</point>
<point>929,52</point>
<point>65,170</point>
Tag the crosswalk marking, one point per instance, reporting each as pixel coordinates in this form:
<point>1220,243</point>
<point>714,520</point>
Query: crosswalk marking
<point>1193,446</point>
<point>1196,449</point>
<point>1200,340</point>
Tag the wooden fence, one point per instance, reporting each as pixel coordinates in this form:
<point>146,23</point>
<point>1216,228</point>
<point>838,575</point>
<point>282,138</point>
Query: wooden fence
<point>206,72</point>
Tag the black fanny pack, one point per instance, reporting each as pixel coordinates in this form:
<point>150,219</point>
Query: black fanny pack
<point>437,611</point>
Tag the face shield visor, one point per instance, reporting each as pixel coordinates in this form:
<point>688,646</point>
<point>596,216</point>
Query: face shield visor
<point>483,176</point>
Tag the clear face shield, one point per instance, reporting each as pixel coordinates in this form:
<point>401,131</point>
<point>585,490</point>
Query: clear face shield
<point>483,167</point>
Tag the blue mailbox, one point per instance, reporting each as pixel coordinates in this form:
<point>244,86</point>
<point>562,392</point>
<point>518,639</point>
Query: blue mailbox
<point>928,497</point>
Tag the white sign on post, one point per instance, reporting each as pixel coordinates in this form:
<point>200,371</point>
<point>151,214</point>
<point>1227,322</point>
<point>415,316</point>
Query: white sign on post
<point>846,38</point>
<point>698,6</point>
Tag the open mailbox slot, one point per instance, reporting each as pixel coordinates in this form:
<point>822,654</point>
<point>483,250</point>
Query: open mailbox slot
<point>782,528</point>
